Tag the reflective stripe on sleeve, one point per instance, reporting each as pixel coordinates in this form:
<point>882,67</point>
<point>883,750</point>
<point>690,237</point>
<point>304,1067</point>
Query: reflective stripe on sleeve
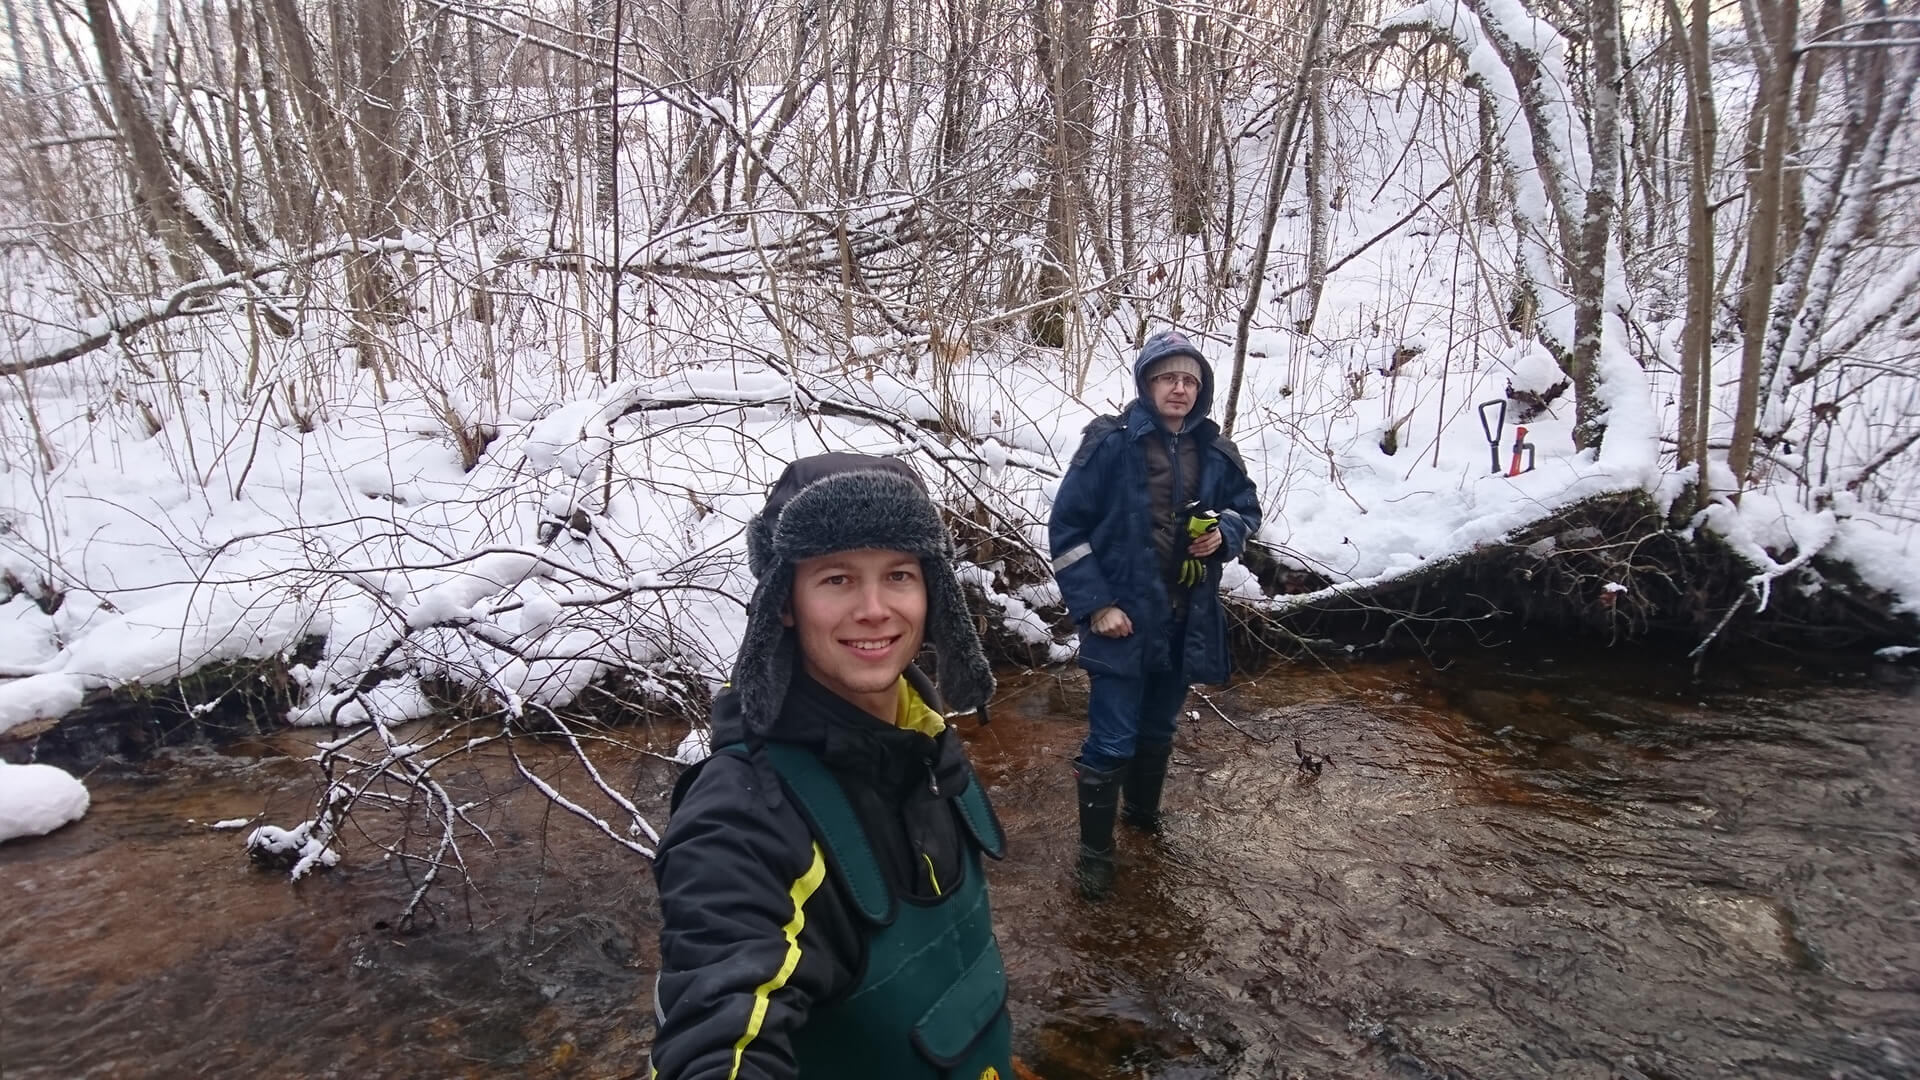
<point>802,891</point>
<point>1070,556</point>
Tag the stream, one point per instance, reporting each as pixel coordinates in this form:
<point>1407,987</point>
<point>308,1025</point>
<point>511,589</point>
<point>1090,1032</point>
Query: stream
<point>1511,865</point>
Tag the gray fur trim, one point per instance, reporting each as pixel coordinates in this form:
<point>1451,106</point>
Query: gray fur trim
<point>845,511</point>
<point>765,666</point>
<point>759,546</point>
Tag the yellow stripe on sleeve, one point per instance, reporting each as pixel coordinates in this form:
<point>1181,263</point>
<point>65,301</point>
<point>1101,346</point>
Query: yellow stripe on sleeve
<point>802,891</point>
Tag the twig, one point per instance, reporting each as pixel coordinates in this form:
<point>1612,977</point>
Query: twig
<point>1698,655</point>
<point>1202,695</point>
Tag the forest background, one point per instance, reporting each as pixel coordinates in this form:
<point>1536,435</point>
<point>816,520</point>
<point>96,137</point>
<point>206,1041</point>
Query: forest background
<point>426,359</point>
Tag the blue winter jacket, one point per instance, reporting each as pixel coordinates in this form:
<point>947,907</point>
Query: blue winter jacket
<point>1101,537</point>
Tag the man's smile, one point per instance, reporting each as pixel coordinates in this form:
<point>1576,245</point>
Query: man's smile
<point>872,646</point>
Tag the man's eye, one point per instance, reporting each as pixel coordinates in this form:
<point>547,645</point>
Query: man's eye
<point>834,579</point>
<point>901,575</point>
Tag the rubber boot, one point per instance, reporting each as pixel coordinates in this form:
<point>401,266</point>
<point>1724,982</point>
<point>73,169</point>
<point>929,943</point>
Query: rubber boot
<point>1099,804</point>
<point>1144,782</point>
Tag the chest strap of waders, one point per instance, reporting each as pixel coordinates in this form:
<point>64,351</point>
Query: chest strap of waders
<point>837,828</point>
<point>834,823</point>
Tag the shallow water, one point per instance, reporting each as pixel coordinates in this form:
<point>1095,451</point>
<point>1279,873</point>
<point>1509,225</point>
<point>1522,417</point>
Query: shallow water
<point>1509,868</point>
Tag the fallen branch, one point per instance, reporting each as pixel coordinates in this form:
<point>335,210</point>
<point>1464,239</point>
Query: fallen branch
<point>1202,695</point>
<point>130,319</point>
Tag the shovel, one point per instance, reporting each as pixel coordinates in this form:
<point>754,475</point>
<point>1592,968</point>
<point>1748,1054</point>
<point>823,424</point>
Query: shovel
<point>1493,428</point>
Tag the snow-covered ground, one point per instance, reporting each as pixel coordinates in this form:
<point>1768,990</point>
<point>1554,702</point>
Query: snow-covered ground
<point>177,501</point>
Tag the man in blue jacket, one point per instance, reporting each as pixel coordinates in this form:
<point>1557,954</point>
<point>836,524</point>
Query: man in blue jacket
<point>1154,502</point>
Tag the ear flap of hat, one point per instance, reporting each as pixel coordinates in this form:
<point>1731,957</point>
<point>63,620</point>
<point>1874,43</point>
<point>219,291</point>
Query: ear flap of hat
<point>965,678</point>
<point>759,545</point>
<point>764,669</point>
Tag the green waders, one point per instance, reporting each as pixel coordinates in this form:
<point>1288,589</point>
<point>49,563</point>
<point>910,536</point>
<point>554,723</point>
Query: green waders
<point>932,1001</point>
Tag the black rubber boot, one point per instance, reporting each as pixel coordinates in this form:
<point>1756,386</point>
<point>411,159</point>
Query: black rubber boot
<point>1145,780</point>
<point>1099,804</point>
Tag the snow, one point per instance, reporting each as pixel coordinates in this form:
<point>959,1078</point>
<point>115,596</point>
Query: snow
<point>37,799</point>
<point>46,696</point>
<point>336,517</point>
<point>304,846</point>
<point>1533,368</point>
<point>695,747</point>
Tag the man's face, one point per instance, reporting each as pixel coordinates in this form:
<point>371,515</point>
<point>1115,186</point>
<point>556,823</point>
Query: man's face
<point>860,617</point>
<point>1173,396</point>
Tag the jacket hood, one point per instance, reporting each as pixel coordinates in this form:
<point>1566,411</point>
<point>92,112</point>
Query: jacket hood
<point>1173,343</point>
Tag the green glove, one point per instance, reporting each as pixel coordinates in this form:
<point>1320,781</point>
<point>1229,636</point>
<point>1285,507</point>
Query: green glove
<point>1199,523</point>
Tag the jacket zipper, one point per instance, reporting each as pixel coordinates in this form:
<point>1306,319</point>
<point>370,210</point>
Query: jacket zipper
<point>933,878</point>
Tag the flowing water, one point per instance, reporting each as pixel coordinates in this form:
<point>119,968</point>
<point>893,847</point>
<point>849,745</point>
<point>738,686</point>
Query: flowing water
<point>1507,867</point>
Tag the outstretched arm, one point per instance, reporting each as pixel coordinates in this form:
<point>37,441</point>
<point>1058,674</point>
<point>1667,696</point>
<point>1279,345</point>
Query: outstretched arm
<point>745,948</point>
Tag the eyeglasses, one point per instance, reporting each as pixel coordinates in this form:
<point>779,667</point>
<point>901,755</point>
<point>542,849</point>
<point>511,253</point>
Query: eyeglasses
<point>1178,378</point>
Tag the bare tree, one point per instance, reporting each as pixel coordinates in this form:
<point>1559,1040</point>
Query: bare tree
<point>1061,47</point>
<point>1696,371</point>
<point>156,192</point>
<point>1776,57</point>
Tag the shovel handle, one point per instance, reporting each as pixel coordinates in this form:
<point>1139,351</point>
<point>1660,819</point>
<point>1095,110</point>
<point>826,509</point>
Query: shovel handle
<point>1493,427</point>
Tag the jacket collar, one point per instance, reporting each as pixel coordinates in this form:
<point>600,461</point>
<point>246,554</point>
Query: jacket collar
<point>849,740</point>
<point>1142,420</point>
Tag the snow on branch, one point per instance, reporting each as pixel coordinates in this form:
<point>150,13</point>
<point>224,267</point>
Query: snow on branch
<point>1542,136</point>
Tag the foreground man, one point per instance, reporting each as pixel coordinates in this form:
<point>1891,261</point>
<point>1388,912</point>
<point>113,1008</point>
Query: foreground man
<point>825,909</point>
<point>1154,502</point>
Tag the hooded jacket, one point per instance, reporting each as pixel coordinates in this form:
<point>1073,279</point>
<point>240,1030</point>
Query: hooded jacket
<point>761,930</point>
<point>1102,530</point>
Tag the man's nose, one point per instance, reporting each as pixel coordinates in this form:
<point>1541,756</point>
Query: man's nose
<point>870,605</point>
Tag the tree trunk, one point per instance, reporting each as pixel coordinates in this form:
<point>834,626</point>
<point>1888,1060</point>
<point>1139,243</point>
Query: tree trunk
<point>155,190</point>
<point>287,186</point>
<point>1319,199</point>
<point>1696,360</point>
<point>1589,269</point>
<point>1812,70</point>
<point>35,174</point>
<point>1276,191</point>
<point>1485,199</point>
<point>1847,204</point>
<point>1128,18</point>
<point>1062,49</point>
<point>1767,186</point>
<point>480,120</point>
<point>1184,110</point>
<point>606,118</point>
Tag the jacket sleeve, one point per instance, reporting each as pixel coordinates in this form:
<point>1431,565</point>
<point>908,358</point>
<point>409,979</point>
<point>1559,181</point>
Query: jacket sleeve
<point>746,942</point>
<point>1240,512</point>
<point>1078,508</point>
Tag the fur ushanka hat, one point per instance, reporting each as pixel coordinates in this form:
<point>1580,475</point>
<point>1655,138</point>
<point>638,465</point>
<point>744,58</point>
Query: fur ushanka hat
<point>843,502</point>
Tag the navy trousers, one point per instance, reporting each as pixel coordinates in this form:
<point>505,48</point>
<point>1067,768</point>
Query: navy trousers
<point>1126,710</point>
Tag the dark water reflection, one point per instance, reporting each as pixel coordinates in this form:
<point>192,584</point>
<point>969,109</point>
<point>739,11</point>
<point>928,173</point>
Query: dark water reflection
<point>1510,869</point>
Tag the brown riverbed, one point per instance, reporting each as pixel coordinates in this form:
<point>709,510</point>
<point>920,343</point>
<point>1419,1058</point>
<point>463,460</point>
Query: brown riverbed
<point>1512,867</point>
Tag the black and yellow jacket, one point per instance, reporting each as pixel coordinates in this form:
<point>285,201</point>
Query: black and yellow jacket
<point>761,933</point>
